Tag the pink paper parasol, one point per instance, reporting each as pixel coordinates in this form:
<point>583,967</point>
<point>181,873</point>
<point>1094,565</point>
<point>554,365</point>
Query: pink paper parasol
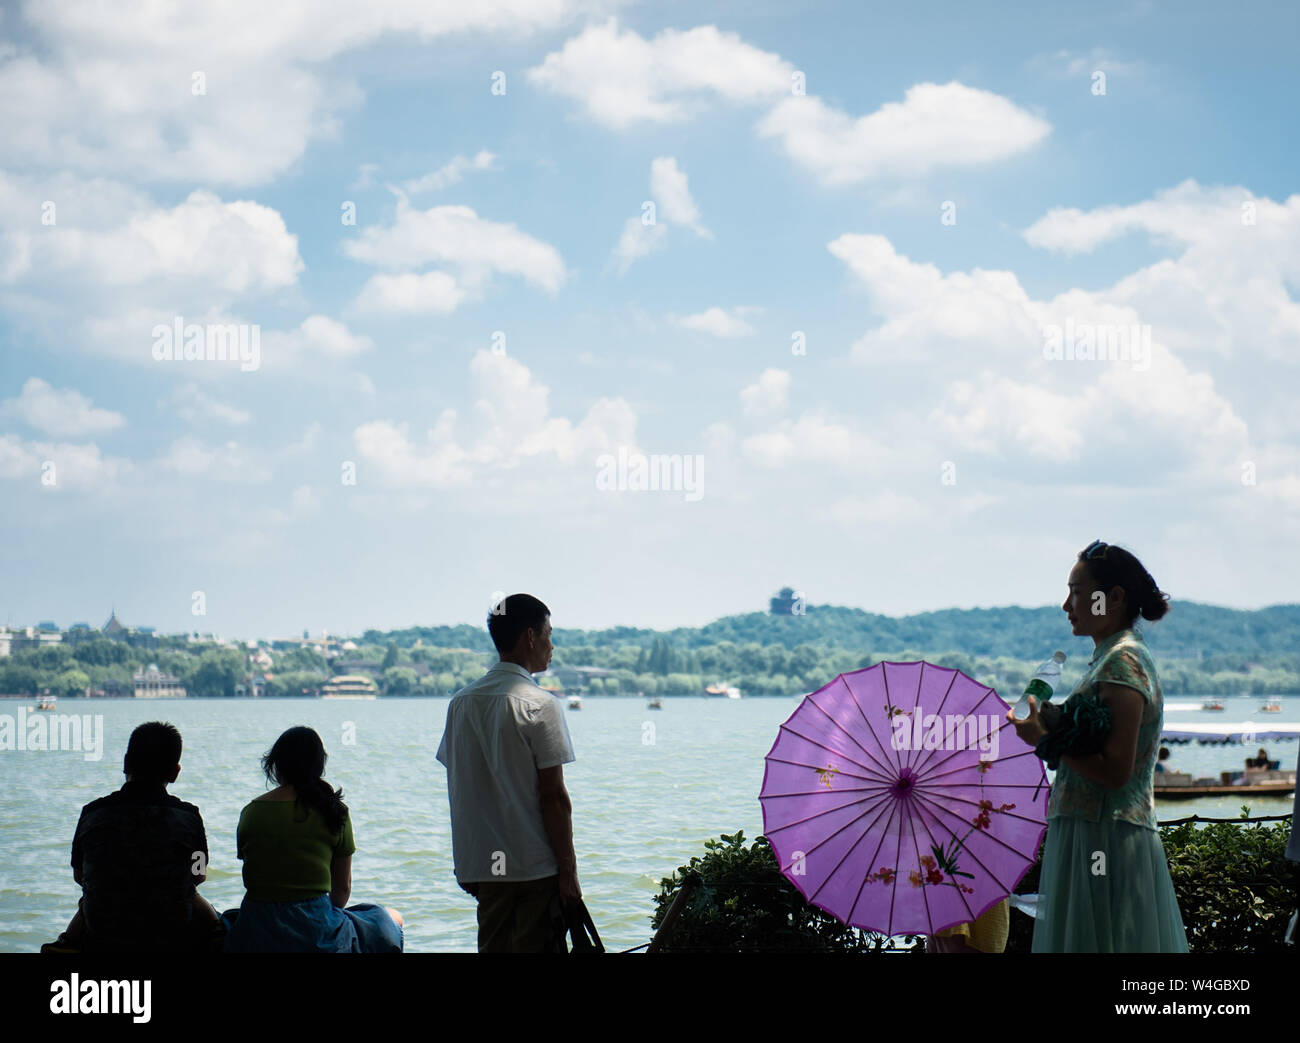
<point>900,800</point>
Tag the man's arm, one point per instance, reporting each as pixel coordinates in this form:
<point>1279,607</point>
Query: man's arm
<point>557,816</point>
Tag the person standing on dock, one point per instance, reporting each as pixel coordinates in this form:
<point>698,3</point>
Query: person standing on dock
<point>504,747</point>
<point>1105,884</point>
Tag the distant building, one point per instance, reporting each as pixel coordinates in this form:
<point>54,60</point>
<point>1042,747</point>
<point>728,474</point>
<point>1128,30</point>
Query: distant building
<point>113,626</point>
<point>153,684</point>
<point>114,690</point>
<point>786,603</point>
<point>252,687</point>
<point>349,686</point>
<point>6,641</point>
<point>79,632</point>
<point>573,678</point>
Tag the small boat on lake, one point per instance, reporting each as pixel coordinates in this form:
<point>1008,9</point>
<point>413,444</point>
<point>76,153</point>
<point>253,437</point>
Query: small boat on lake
<point>729,691</point>
<point>1253,782</point>
<point>655,704</point>
<point>1212,704</point>
<point>1244,736</point>
<point>47,703</point>
<point>575,702</point>
<point>1272,706</point>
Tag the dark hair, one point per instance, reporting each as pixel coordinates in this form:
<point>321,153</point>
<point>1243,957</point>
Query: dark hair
<point>511,616</point>
<point>153,750</point>
<point>298,759</point>
<point>1113,566</point>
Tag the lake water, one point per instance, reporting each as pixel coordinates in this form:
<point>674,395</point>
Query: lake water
<point>641,809</point>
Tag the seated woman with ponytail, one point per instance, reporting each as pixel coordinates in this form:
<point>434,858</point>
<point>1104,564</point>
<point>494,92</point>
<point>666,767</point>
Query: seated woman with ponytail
<point>296,845</point>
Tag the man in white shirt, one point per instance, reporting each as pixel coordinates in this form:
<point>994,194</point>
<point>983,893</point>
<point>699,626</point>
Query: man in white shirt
<point>504,748</point>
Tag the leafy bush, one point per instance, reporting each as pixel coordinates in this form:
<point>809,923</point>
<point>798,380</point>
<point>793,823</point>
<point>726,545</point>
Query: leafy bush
<point>744,904</point>
<point>1235,888</point>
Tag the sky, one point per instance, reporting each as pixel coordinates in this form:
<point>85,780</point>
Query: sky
<point>900,306</point>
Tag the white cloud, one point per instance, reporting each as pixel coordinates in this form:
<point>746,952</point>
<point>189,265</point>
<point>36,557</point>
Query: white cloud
<point>450,173</point>
<point>935,125</point>
<point>1228,290</point>
<point>929,316</point>
<point>321,336</point>
<point>814,438</point>
<point>672,195</point>
<point>453,235</point>
<point>720,323</point>
<point>977,341</point>
<point>55,466</point>
<point>638,240</point>
<point>197,407</point>
<point>769,394</point>
<point>510,424</point>
<point>365,175</point>
<point>673,205</point>
<point>622,78</point>
<point>410,294</point>
<point>236,247</point>
<point>1064,64</point>
<point>227,462</point>
<point>63,413</point>
<point>113,88</point>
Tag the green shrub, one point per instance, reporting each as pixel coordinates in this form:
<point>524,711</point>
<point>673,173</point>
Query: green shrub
<point>744,904</point>
<point>1235,888</point>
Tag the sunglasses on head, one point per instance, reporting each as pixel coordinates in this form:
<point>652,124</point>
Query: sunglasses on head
<point>1096,549</point>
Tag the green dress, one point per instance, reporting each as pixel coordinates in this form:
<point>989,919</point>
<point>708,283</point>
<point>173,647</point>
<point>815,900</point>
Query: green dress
<point>1105,883</point>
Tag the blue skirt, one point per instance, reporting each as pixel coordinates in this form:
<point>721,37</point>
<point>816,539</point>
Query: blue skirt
<point>1105,887</point>
<point>313,925</point>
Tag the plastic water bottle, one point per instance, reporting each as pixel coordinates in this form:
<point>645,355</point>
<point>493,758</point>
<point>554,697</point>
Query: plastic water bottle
<point>1046,680</point>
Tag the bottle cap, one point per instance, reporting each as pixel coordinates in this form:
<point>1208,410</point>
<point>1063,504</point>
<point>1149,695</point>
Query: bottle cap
<point>1059,656</point>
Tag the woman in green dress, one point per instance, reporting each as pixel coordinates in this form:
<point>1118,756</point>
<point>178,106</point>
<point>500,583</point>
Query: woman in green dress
<point>1104,885</point>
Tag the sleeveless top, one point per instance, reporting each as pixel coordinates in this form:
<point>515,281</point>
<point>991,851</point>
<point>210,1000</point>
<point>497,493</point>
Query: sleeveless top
<point>1123,658</point>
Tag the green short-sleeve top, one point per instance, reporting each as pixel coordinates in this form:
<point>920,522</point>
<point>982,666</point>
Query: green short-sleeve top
<point>287,850</point>
<point>1122,658</point>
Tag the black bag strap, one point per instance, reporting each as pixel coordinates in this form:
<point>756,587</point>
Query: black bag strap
<point>581,928</point>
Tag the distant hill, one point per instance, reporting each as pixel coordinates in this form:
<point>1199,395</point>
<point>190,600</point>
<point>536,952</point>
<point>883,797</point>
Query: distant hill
<point>1191,630</point>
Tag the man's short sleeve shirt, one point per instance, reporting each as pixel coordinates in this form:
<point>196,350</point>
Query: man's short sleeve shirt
<point>501,730</point>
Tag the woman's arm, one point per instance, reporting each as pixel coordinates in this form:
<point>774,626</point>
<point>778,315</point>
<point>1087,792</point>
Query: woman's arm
<point>341,880</point>
<point>1113,766</point>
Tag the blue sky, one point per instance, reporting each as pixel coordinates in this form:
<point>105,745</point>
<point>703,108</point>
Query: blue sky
<point>914,194</point>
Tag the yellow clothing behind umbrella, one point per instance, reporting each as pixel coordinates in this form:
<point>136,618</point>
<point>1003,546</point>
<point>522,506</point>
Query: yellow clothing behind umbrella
<point>988,933</point>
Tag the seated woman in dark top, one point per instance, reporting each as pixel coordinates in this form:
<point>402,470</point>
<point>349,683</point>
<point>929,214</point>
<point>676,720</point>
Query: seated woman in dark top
<point>1260,760</point>
<point>296,845</point>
